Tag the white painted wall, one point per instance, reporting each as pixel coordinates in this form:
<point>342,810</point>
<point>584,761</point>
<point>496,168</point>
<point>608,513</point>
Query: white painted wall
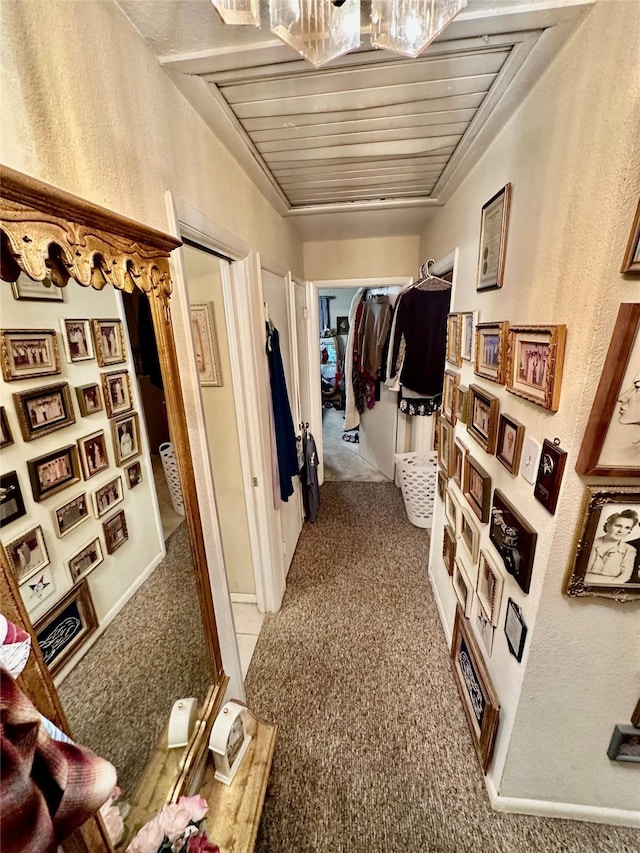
<point>363,258</point>
<point>572,154</point>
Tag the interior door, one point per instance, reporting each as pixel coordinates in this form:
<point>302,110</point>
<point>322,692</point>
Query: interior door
<point>378,427</point>
<point>300,313</point>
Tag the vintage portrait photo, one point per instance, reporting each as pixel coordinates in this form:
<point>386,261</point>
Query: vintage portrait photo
<point>116,387</point>
<point>509,444</point>
<point>89,399</point>
<point>107,496</point>
<point>78,342</point>
<point>622,439</point>
<point>44,410</point>
<point>489,588</point>
<point>27,554</point>
<point>535,363</point>
<point>468,322</point>
<point>477,488</point>
<point>54,471</point>
<point>115,531</point>
<point>126,438</point>
<point>454,332</point>
<point>109,341</point>
<point>134,475</point>
<point>85,560</point>
<point>93,454</point>
<point>71,514</point>
<point>28,353</point>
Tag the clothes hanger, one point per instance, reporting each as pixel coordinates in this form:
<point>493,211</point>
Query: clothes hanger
<point>429,281</point>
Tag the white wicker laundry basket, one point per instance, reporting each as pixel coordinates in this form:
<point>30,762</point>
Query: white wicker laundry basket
<point>418,475</point>
<point>170,465</point>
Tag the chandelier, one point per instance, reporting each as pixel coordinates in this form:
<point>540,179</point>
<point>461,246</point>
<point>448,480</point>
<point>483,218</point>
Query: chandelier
<point>322,30</point>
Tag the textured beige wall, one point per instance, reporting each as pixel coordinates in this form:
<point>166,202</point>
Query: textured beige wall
<point>571,153</point>
<point>381,256</point>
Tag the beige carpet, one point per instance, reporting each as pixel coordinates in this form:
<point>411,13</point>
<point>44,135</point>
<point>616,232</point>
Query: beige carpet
<point>373,753</point>
<point>342,459</point>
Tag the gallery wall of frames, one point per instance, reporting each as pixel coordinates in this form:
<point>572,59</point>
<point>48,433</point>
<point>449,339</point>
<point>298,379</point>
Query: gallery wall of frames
<point>78,515</point>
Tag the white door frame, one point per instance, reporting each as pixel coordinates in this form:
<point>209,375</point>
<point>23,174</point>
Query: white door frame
<point>315,404</point>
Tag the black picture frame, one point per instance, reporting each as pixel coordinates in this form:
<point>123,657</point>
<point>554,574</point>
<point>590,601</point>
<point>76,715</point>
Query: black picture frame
<point>515,629</point>
<point>53,472</point>
<point>11,500</point>
<point>76,613</point>
<point>514,539</point>
<point>549,479</point>
<point>342,325</point>
<point>6,438</point>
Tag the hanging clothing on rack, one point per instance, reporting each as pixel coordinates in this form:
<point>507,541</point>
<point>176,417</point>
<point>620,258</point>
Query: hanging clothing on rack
<point>309,476</point>
<point>351,414</point>
<point>282,420</point>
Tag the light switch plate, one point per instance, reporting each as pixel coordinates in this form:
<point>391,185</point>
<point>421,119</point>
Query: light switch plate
<point>529,460</point>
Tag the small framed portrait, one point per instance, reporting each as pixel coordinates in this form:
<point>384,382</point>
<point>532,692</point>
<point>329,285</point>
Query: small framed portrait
<point>470,535</point>
<point>93,454</point>
<point>485,629</point>
<point>515,629</point>
<point>70,514</point>
<point>6,438</point>
<point>534,366</point>
<point>206,344</point>
<point>133,474</point>
<point>452,509</point>
<point>37,590</point>
<point>493,240</point>
<point>53,472</point>
<point>27,353</point>
<point>449,548</point>
<point>116,387</point>
<point>489,588</point>
<point>85,560</point>
<point>468,323</point>
<point>11,501</point>
<point>483,418</point>
<point>491,351</point>
<point>631,260</point>
<point>477,488</point>
<point>108,337</point>
<point>625,744</point>
<point>126,438</point>
<point>479,699</point>
<point>458,454</point>
<point>89,399</point>
<point>115,531</point>
<point>450,384</point>
<point>549,478</point>
<point>342,325</point>
<point>445,444</point>
<point>514,539</point>
<point>461,399</point>
<point>605,559</point>
<point>442,485</point>
<point>509,443</point>
<point>454,339</point>
<point>611,443</point>
<point>36,291</point>
<point>27,554</point>
<point>107,496</point>
<point>78,343</point>
<point>462,587</point>
<point>44,410</point>
<point>66,627</point>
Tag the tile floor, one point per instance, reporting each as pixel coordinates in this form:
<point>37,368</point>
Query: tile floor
<point>248,621</point>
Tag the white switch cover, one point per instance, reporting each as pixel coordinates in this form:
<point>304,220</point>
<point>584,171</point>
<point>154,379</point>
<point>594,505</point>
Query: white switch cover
<point>530,458</point>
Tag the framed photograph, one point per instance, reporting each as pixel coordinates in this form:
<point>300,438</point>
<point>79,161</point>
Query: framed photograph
<point>449,548</point>
<point>458,455</point>
<point>461,399</point>
<point>116,387</point>
<point>5,430</point>
<point>115,531</point>
<point>514,539</point>
<point>509,443</point>
<point>37,590</point>
<point>445,443</point>
<point>483,417</point>
<point>29,352</point>
<point>625,744</point>
<point>108,337</point>
<point>108,496</point>
<point>462,587</point>
<point>452,509</point>
<point>85,560</point>
<point>133,475</point>
<point>631,260</point>
<point>342,325</point>
<point>611,443</point>
<point>11,501</point>
<point>491,351</point>
<point>89,399</point>
<point>126,438</point>
<point>454,339</point>
<point>477,488</point>
<point>53,472</point>
<point>93,454</point>
<point>534,365</point>
<point>515,630</point>
<point>605,559</point>
<point>66,627</point>
<point>44,410</point>
<point>549,479</point>
<point>27,554</point>
<point>468,323</point>
<point>442,484</point>
<point>485,629</point>
<point>71,514</point>
<point>450,384</point>
<point>36,291</point>
<point>489,588</point>
<point>479,699</point>
<point>470,535</point>
<point>493,240</point>
<point>78,343</point>
<point>206,343</point>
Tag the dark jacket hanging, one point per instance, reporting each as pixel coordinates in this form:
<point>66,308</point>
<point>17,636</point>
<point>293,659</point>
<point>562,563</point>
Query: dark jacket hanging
<point>421,319</point>
<point>282,420</point>
<point>309,478</point>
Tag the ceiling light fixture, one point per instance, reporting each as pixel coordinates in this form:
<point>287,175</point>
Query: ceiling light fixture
<point>322,30</point>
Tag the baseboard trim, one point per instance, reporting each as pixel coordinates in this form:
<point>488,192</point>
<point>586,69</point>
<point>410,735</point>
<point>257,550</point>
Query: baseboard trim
<point>564,811</point>
<point>244,597</point>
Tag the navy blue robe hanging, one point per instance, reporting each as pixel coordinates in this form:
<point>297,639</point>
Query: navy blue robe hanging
<point>282,420</point>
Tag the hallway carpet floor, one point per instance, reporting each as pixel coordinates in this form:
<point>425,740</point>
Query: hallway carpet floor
<point>373,753</point>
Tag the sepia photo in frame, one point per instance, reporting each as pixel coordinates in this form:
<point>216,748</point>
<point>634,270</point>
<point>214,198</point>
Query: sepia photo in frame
<point>534,364</point>
<point>454,339</point>
<point>491,351</point>
<point>27,553</point>
<point>27,353</point>
<point>483,417</point>
<point>77,340</point>
<point>70,514</point>
<point>44,410</point>
<point>509,443</point>
<point>108,339</point>
<point>52,472</point>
